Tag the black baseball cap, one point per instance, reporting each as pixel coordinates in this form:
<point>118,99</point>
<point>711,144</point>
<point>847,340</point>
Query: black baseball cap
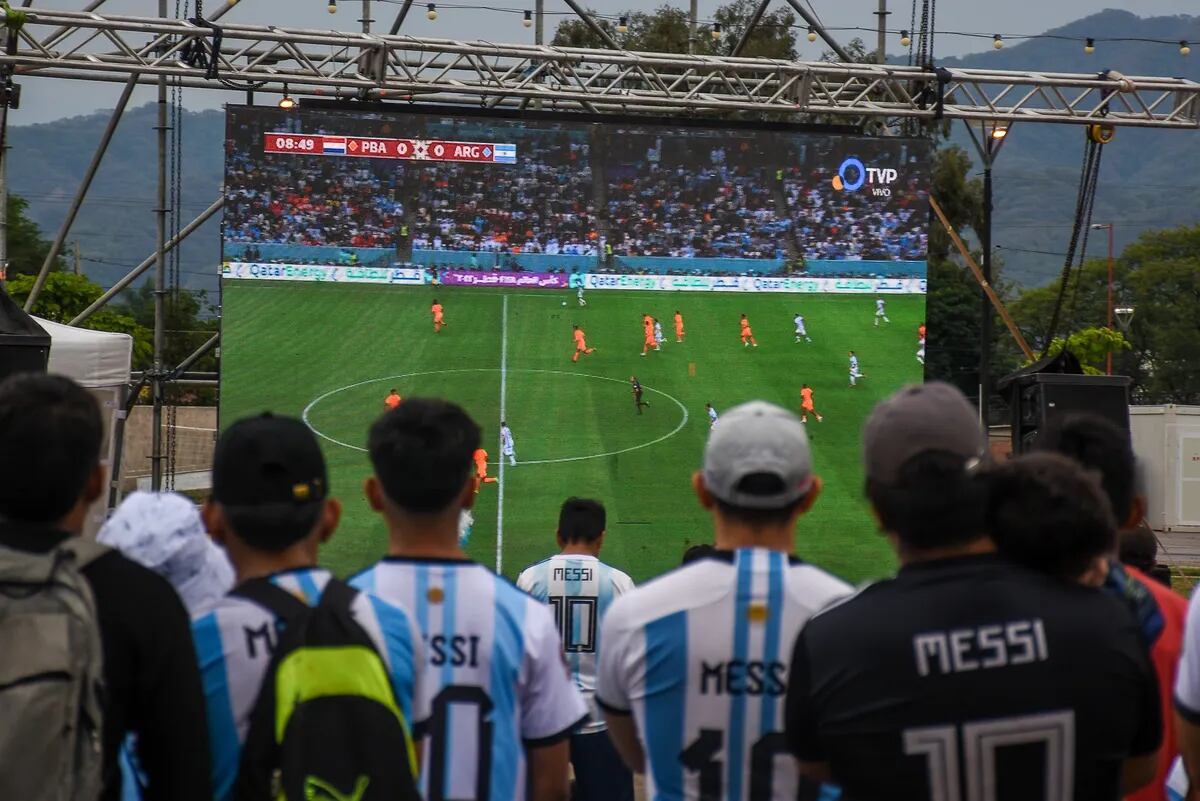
<point>268,461</point>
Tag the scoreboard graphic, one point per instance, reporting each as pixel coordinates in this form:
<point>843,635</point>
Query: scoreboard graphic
<point>374,147</point>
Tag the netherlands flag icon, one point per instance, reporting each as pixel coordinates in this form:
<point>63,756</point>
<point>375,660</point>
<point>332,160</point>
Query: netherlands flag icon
<point>334,145</point>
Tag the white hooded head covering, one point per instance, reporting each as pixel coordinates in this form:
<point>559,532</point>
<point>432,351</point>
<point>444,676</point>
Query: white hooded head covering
<point>164,532</point>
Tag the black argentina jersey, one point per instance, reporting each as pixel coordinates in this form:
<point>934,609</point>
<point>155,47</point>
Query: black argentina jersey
<point>972,678</point>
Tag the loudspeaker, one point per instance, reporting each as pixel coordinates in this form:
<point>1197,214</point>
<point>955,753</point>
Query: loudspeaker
<point>1038,400</point>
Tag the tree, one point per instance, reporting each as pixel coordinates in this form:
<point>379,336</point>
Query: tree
<point>1091,346</point>
<point>65,295</point>
<point>666,30</point>
<point>773,37</point>
<point>1162,273</point>
<point>1159,277</point>
<point>952,304</point>
<point>184,320</point>
<point>26,247</point>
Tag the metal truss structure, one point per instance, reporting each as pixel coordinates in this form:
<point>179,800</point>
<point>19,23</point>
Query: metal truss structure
<point>203,54</point>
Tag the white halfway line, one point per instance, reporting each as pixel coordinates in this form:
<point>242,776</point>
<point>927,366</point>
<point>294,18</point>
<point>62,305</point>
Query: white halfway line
<point>503,394</point>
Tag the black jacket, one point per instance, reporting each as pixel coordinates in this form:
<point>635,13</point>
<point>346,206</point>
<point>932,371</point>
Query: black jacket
<point>152,680</point>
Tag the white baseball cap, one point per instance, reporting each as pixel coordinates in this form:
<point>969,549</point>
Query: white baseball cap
<point>758,438</point>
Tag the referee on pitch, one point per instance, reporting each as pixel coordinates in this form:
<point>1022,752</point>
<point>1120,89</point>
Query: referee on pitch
<point>965,676</point>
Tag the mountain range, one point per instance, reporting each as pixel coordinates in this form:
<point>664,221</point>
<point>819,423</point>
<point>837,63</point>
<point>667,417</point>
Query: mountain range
<point>1147,179</point>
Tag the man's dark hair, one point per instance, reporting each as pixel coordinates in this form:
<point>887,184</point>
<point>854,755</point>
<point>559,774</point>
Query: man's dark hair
<point>937,502</point>
<point>421,452</point>
<point>1101,445</point>
<point>50,436</point>
<point>1139,547</point>
<point>581,520</point>
<point>273,527</point>
<point>697,552</point>
<point>759,484</point>
<point>1048,513</point>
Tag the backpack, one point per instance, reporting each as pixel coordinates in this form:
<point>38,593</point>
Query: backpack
<point>51,675</point>
<point>326,725</point>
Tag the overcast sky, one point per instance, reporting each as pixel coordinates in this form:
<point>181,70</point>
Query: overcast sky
<point>45,100</point>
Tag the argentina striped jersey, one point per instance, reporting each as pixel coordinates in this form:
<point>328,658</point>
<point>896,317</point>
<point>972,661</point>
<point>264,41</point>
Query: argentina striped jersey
<point>234,642</point>
<point>494,675</point>
<point>699,657</point>
<point>579,589</point>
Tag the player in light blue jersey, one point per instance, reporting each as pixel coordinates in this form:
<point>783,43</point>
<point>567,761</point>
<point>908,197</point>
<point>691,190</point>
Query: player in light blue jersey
<point>694,668</point>
<point>271,512</point>
<point>501,703</point>
<point>712,415</point>
<point>580,588</point>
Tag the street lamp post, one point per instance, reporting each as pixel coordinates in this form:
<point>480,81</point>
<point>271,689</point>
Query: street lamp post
<point>991,137</point>
<point>1108,227</point>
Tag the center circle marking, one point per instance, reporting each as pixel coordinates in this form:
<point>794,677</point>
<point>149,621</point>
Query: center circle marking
<point>682,422</point>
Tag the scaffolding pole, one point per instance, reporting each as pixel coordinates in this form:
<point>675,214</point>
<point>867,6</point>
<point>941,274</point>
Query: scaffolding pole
<point>812,22</point>
<point>755,17</point>
<point>147,263</point>
<point>157,384</point>
<point>65,229</point>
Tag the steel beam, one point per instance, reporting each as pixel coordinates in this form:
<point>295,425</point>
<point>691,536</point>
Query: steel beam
<point>400,16</point>
<point>147,263</point>
<point>812,22</point>
<point>65,229</point>
<point>326,64</point>
<point>194,357</point>
<point>591,23</point>
<point>750,26</point>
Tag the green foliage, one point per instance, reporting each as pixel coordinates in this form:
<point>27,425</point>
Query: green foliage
<point>189,321</point>
<point>65,295</point>
<point>26,247</point>
<point>1159,276</point>
<point>1163,286</point>
<point>1091,346</point>
<point>666,30</point>
<point>186,328</point>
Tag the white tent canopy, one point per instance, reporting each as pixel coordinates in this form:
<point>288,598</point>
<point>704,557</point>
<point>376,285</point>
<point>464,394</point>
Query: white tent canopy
<point>93,358</point>
<point>99,361</point>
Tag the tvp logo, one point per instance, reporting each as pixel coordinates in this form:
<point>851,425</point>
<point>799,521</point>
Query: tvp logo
<point>852,175</point>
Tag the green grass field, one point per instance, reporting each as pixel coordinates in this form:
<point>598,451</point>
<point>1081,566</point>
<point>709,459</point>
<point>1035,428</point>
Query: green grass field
<point>337,350</point>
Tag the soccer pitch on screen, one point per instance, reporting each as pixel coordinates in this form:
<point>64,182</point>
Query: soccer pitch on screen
<point>332,352</point>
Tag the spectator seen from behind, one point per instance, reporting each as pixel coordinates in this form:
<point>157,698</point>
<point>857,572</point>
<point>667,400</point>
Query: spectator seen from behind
<point>965,671</point>
<point>271,511</point>
<point>497,684</point>
<point>50,473</point>
<point>693,666</point>
<point>164,532</point>
<point>580,589</point>
<point>1102,446</point>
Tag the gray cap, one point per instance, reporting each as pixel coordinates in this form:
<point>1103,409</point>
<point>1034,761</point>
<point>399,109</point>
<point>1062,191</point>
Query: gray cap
<point>919,419</point>
<point>758,437</point>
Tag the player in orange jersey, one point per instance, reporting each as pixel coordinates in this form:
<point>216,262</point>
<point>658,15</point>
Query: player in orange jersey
<point>580,344</point>
<point>392,400</point>
<point>648,342</point>
<point>481,469</point>
<point>678,326</point>
<point>439,319</point>
<point>806,404</point>
<point>921,330</point>
<point>747,334</point>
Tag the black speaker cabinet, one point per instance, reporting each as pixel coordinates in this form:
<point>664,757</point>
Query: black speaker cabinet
<point>1039,399</point>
